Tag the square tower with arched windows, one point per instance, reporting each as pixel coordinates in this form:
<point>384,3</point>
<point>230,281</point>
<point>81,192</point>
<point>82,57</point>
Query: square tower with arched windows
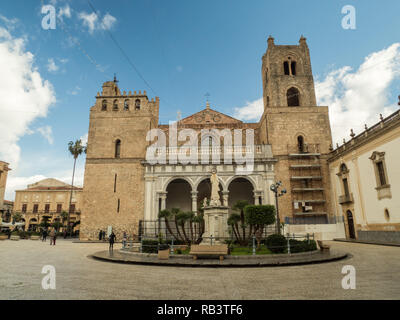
<point>298,131</point>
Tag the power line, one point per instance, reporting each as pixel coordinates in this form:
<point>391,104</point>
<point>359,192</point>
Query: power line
<point>121,50</point>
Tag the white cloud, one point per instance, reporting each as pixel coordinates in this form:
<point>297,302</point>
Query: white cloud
<point>108,22</point>
<point>24,96</point>
<point>51,65</point>
<point>47,133</point>
<point>74,91</point>
<point>10,23</point>
<point>93,23</point>
<point>356,98</point>
<point>64,12</point>
<point>252,111</point>
<point>84,139</point>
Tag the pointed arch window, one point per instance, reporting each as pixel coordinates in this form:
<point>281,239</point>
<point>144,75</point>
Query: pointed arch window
<point>126,105</point>
<point>286,68</point>
<point>293,68</point>
<point>300,144</point>
<point>293,97</point>
<point>137,104</point>
<point>115,105</point>
<point>104,105</point>
<point>118,149</point>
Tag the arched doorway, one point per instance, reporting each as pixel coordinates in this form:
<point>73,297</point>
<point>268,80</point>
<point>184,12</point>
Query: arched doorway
<point>240,189</point>
<point>350,225</point>
<point>32,224</point>
<point>204,191</point>
<point>179,195</point>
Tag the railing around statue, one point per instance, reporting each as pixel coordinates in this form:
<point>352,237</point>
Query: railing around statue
<point>293,243</point>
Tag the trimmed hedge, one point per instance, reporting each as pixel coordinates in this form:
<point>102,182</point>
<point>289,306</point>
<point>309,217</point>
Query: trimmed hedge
<point>276,243</point>
<point>297,246</point>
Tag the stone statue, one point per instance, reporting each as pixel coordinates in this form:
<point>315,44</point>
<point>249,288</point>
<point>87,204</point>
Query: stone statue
<point>205,202</point>
<point>214,189</point>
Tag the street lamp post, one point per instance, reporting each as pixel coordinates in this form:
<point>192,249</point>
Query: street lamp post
<point>275,189</point>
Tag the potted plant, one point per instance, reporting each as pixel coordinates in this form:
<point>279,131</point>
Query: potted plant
<point>35,236</point>
<point>3,236</point>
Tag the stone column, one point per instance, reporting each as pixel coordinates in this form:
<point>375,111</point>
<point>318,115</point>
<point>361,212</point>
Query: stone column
<point>194,201</point>
<point>163,197</point>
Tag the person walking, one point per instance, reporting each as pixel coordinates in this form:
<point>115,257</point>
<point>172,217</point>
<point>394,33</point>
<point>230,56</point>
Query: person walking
<point>112,240</point>
<point>103,234</point>
<point>55,237</point>
<point>44,235</point>
<point>52,236</point>
<point>100,234</point>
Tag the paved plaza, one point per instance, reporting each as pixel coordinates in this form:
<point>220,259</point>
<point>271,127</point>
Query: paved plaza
<point>80,277</point>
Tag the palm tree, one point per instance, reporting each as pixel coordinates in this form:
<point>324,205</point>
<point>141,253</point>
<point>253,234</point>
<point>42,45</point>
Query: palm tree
<point>166,215</point>
<point>239,206</point>
<point>76,150</point>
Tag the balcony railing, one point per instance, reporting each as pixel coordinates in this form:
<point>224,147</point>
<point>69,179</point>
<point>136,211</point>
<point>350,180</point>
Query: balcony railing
<point>347,198</point>
<point>307,150</point>
<point>256,151</point>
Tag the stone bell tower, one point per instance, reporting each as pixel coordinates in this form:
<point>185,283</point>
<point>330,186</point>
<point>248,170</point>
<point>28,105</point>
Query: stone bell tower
<point>298,131</point>
<point>113,191</point>
<point>287,75</point>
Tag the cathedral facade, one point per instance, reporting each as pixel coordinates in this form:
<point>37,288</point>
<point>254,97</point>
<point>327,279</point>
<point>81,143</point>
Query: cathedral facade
<point>290,143</point>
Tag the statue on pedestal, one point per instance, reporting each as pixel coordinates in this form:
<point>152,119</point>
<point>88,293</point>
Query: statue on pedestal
<point>214,201</point>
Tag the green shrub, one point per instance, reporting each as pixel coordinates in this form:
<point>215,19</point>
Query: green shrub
<point>150,246</point>
<point>276,243</point>
<point>297,246</point>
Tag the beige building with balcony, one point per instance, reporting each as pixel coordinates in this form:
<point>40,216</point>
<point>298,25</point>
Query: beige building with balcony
<point>365,175</point>
<point>292,141</point>
<point>48,197</point>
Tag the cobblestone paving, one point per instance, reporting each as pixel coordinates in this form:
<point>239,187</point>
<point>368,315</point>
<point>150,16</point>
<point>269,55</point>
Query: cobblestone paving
<point>78,277</point>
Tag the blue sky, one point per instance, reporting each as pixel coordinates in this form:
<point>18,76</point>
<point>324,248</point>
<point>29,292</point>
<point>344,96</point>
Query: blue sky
<point>184,49</point>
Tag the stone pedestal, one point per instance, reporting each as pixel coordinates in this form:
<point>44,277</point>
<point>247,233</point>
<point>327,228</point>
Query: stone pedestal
<point>216,224</point>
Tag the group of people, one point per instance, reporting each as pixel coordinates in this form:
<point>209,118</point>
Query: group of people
<point>53,236</point>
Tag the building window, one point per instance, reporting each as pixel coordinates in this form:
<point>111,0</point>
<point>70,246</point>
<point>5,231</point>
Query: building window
<point>115,105</point>
<point>267,101</point>
<point>126,105</point>
<point>293,97</point>
<point>293,67</point>
<point>35,208</point>
<point>300,144</point>
<point>115,183</point>
<point>381,175</point>
<point>286,68</point>
<point>346,187</point>
<point>59,208</point>
<point>72,208</point>
<point>117,148</point>
<point>24,208</point>
<point>47,208</point>
<point>104,105</point>
<point>118,205</point>
<point>137,104</point>
<point>387,215</point>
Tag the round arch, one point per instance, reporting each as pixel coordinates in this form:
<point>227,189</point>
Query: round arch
<point>250,179</point>
<point>188,180</point>
<point>179,195</point>
<point>240,189</point>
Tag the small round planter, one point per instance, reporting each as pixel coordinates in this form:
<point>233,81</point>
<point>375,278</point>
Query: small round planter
<point>15,238</point>
<point>3,237</point>
<point>35,237</point>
